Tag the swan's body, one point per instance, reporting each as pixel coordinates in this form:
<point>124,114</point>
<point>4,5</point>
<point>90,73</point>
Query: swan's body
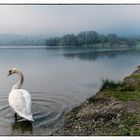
<point>20,99</point>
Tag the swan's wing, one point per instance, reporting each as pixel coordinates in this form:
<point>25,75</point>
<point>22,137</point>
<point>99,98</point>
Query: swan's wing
<point>28,101</point>
<point>21,102</point>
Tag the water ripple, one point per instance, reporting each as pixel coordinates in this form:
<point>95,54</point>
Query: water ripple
<point>47,108</point>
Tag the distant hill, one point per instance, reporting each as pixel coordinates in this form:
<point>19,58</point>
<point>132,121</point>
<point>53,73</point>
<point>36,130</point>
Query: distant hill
<point>12,39</point>
<point>4,37</point>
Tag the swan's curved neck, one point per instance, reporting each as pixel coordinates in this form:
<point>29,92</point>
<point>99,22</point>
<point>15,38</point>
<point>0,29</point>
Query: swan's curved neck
<point>18,85</point>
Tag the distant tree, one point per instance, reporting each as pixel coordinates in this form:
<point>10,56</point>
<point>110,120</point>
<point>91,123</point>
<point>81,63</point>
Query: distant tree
<point>131,42</point>
<point>53,41</point>
<point>112,39</point>
<point>103,39</point>
<point>88,37</point>
<point>68,40</point>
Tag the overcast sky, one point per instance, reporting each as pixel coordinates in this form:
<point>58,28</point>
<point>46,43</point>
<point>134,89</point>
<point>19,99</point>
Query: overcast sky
<point>56,20</point>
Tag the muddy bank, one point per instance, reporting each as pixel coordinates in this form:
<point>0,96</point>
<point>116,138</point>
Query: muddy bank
<point>115,110</point>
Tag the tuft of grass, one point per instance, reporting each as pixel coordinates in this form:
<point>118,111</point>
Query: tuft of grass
<point>119,86</point>
<point>120,90</point>
<point>109,84</point>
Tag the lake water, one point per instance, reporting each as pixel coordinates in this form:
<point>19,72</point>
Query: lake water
<point>58,80</point>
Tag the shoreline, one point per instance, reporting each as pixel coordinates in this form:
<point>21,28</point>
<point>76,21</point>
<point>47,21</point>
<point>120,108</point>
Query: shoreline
<point>113,111</point>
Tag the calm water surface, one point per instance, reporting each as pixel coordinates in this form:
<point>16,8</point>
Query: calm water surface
<point>58,80</point>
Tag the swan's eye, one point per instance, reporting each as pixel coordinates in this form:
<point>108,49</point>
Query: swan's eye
<point>10,72</point>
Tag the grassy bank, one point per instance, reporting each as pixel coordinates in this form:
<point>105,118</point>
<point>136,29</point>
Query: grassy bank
<point>115,110</point>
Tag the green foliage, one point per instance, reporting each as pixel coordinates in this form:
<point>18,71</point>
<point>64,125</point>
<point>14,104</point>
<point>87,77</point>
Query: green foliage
<point>89,38</point>
<point>120,90</point>
<point>53,41</point>
<point>118,86</point>
<point>112,39</point>
<point>136,131</point>
<point>109,84</point>
<point>68,40</point>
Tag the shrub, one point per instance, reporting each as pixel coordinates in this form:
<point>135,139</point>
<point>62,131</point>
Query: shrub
<point>120,86</point>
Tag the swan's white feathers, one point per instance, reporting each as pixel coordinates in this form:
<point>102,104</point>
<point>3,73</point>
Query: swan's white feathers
<point>20,99</point>
<point>20,102</point>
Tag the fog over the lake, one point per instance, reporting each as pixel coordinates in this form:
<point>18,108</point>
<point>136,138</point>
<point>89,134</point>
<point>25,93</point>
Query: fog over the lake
<point>56,20</point>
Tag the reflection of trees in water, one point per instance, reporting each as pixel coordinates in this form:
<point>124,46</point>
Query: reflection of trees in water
<point>96,54</point>
<point>22,128</point>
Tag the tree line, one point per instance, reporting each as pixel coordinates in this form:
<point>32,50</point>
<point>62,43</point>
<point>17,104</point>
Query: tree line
<point>85,38</point>
<point>89,38</point>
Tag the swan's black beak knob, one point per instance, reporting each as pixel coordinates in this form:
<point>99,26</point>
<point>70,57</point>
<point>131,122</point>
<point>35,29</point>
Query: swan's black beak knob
<point>10,72</point>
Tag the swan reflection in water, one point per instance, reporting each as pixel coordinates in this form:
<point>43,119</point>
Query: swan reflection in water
<point>22,127</point>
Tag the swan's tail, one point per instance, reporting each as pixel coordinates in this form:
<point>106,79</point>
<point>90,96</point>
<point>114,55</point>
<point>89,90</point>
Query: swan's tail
<point>29,117</point>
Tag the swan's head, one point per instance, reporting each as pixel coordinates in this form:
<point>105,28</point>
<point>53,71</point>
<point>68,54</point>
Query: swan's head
<point>13,71</point>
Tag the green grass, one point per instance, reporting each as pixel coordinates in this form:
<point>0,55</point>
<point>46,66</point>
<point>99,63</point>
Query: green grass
<point>134,80</point>
<point>120,90</point>
<point>130,125</point>
<point>127,125</point>
<point>123,96</point>
<point>118,86</point>
<point>135,76</point>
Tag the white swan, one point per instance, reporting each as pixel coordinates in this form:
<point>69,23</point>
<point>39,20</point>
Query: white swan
<point>20,99</point>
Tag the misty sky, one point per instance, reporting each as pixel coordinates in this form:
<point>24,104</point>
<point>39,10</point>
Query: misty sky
<point>56,20</point>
